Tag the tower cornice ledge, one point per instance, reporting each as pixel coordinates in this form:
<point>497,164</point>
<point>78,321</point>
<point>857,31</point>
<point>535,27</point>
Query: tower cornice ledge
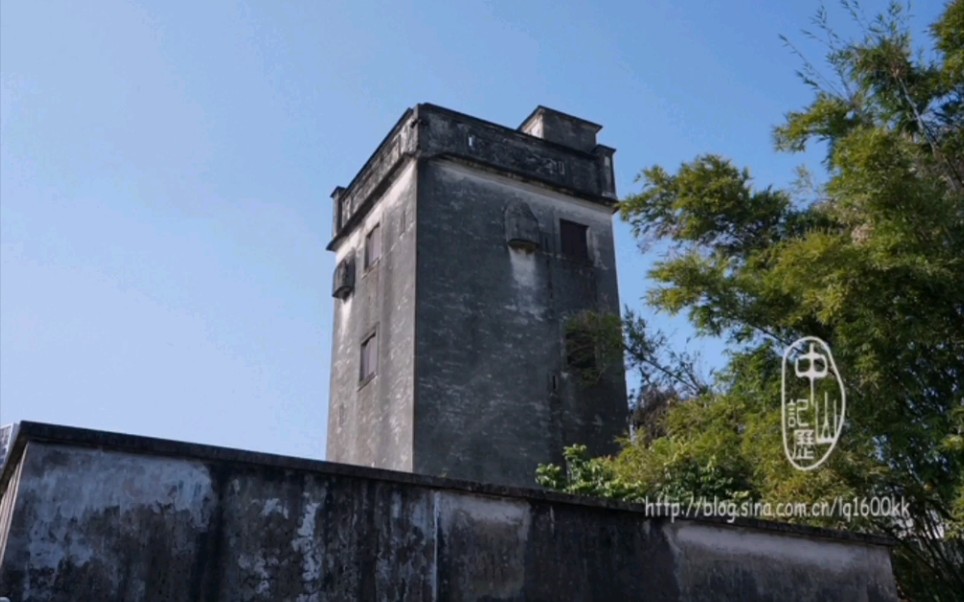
<point>432,132</point>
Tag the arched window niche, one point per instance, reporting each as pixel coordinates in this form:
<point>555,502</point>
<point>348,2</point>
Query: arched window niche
<point>521,227</point>
<point>344,278</point>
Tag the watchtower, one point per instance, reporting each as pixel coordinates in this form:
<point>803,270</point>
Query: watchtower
<point>464,250</point>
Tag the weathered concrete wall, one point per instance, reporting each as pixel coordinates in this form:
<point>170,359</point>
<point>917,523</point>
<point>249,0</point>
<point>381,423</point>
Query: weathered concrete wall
<point>494,394</point>
<point>99,516</point>
<point>370,424</point>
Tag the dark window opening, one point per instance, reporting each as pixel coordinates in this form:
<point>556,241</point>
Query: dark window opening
<point>369,358</point>
<point>574,240</point>
<point>580,349</point>
<point>373,247</point>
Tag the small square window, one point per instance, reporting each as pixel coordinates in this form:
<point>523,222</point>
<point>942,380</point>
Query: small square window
<point>373,247</point>
<point>369,358</point>
<point>573,239</point>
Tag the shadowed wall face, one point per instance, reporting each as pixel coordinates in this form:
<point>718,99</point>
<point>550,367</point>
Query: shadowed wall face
<point>496,394</point>
<point>97,516</point>
<point>491,241</point>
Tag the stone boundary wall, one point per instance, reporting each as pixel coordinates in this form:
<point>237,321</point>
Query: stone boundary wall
<point>88,515</point>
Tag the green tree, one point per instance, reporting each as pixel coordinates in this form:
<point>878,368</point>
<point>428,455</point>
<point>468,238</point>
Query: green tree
<point>872,263</point>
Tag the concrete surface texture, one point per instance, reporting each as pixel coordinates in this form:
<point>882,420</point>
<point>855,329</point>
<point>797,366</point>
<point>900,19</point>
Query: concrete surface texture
<point>490,242</point>
<point>87,515</point>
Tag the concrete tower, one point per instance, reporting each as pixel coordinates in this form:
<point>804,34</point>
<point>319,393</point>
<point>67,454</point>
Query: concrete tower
<point>464,251</point>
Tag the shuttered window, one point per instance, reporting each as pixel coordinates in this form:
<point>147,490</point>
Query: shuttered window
<point>373,246</point>
<point>573,240</point>
<point>369,358</point>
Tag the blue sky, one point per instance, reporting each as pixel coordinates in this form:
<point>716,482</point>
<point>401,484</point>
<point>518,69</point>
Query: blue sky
<point>165,170</point>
